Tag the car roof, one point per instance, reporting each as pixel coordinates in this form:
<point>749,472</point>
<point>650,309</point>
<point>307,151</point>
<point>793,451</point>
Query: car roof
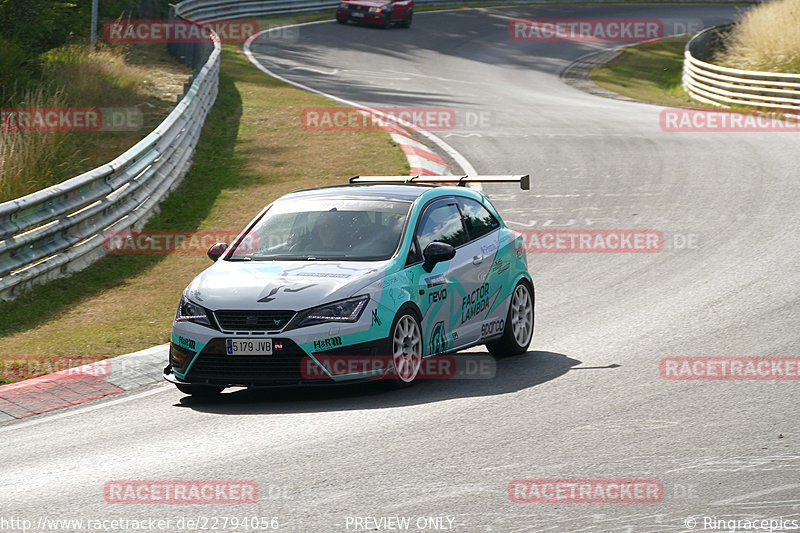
<point>407,193</point>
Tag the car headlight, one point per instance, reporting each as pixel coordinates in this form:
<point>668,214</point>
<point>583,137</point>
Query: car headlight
<point>342,311</point>
<point>381,9</point>
<point>189,311</point>
<point>343,6</point>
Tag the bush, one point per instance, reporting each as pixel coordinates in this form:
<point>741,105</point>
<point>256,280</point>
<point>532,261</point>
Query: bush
<point>40,25</point>
<point>766,37</point>
<point>15,65</point>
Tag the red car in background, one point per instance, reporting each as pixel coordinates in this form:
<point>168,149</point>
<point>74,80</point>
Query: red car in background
<point>377,12</point>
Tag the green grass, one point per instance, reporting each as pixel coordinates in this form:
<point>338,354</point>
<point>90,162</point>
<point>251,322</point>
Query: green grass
<point>649,71</point>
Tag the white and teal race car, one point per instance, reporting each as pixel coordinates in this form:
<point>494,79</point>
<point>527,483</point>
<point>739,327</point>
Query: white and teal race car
<point>355,282</point>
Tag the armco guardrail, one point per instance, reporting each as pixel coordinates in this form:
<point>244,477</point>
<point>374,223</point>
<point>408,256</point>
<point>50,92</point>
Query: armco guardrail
<point>232,9</point>
<point>59,229</point>
<point>723,86</point>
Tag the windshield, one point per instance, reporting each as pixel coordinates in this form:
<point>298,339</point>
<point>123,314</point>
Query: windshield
<point>325,229</point>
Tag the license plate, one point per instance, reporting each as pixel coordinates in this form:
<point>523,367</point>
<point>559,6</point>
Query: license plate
<point>356,14</point>
<point>248,346</point>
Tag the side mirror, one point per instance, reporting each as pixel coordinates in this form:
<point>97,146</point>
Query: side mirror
<point>216,250</point>
<point>436,252</point>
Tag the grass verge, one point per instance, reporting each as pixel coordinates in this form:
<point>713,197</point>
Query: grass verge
<point>649,71</point>
<point>251,151</point>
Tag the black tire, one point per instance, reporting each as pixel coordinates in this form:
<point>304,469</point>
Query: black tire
<point>406,23</point>
<point>341,21</point>
<point>387,21</point>
<point>404,346</point>
<point>200,391</point>
<point>518,330</point>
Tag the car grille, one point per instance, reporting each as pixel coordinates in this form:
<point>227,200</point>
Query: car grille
<point>362,9</point>
<point>253,320</point>
<point>214,367</point>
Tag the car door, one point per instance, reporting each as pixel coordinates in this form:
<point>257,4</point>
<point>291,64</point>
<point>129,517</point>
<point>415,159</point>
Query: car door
<point>483,310</point>
<point>439,293</point>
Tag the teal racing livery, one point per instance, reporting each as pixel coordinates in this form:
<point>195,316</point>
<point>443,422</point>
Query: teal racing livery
<point>392,268</point>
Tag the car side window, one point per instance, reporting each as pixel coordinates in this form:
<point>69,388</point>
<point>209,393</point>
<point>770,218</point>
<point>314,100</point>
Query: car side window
<point>414,256</point>
<point>441,222</point>
<point>478,219</point>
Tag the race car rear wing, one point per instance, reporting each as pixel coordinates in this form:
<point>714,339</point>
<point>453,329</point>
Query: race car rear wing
<point>462,181</point>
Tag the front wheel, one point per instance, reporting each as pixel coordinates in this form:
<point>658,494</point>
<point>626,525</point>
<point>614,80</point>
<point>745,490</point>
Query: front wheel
<point>406,349</point>
<point>406,23</point>
<point>387,20</point>
<point>519,324</point>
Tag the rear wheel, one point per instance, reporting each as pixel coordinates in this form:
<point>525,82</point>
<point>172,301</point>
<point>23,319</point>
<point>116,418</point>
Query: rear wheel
<point>519,324</point>
<point>406,23</point>
<point>406,349</point>
<point>200,391</point>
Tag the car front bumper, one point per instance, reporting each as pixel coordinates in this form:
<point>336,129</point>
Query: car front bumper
<point>367,18</point>
<point>304,356</point>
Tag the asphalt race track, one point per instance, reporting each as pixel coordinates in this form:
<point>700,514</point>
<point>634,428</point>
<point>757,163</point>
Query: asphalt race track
<point>588,402</point>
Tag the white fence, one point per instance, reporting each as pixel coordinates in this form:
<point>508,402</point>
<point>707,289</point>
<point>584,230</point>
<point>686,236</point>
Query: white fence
<point>723,86</point>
